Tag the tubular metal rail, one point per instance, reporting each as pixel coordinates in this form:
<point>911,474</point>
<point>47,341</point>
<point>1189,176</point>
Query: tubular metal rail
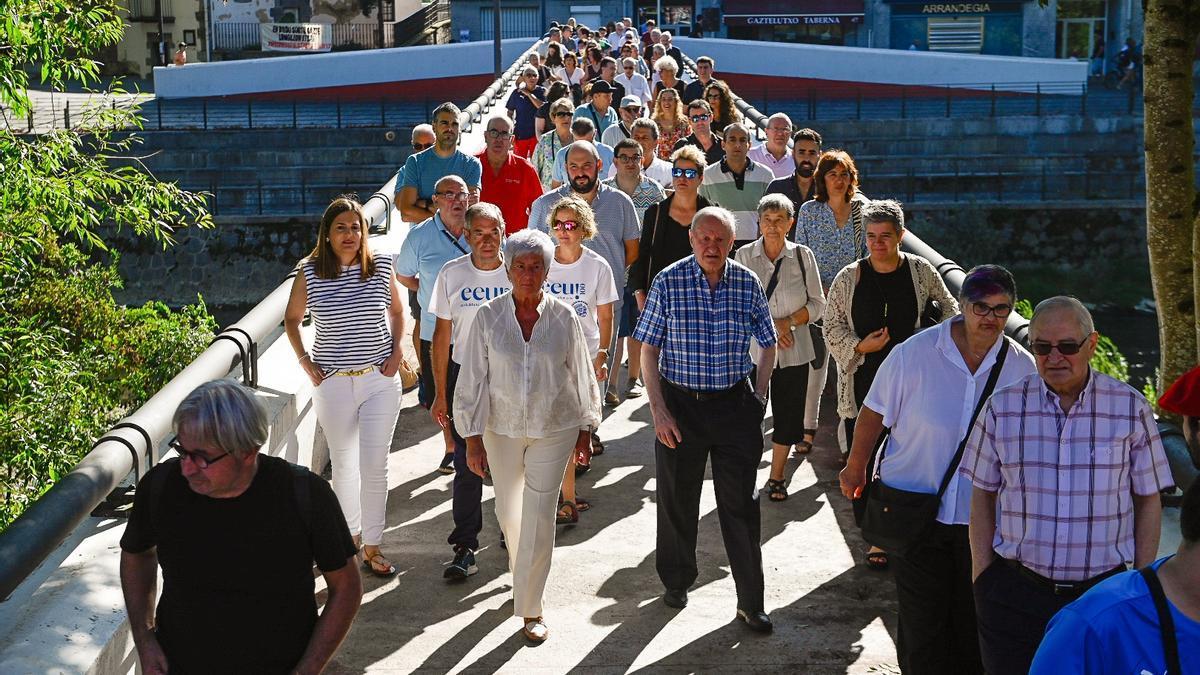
<point>133,443</point>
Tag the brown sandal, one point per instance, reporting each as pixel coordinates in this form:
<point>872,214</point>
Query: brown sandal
<point>568,514</point>
<point>388,569</point>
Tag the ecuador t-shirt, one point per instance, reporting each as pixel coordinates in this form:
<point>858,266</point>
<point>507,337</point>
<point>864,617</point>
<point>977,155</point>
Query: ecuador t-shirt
<point>460,290</point>
<point>584,284</point>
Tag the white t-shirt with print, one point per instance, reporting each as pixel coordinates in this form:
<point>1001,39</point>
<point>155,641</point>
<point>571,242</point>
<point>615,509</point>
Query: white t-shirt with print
<point>459,291</point>
<point>584,284</point>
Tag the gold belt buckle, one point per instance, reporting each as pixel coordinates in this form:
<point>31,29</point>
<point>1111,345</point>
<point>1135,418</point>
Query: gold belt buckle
<point>352,373</point>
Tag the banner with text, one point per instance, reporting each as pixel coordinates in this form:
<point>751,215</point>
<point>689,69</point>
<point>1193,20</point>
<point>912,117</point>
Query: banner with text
<point>296,37</point>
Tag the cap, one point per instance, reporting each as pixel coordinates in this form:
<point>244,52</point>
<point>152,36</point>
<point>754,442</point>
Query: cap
<point>601,87</point>
<point>1183,397</point>
<point>630,101</point>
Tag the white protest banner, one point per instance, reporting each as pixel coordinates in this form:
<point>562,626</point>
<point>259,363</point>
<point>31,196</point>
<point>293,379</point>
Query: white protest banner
<point>296,37</point>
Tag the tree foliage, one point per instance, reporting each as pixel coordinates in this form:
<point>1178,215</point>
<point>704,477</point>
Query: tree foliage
<point>73,361</point>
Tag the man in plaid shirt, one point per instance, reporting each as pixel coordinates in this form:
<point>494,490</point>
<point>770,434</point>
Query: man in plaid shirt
<point>1067,468</point>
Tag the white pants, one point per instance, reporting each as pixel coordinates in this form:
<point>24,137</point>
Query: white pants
<point>358,414</point>
<point>527,474</point>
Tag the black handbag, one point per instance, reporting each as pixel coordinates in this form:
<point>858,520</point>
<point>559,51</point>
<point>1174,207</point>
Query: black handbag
<point>896,519</point>
<point>931,314</point>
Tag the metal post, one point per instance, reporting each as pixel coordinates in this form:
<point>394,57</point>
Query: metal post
<point>379,13</point>
<point>158,105</point>
<point>904,108</point>
<point>1037,101</point>
<point>294,119</point>
<point>162,42</point>
<point>496,65</point>
<point>1083,91</point>
<point>382,113</point>
<point>250,113</point>
<point>204,108</point>
<point>947,100</point>
<point>993,99</point>
<point>339,113</point>
<point>207,31</point>
<point>260,198</point>
<point>67,116</point>
<point>858,103</point>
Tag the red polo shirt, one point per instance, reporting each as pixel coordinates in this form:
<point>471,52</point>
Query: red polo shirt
<point>513,189</point>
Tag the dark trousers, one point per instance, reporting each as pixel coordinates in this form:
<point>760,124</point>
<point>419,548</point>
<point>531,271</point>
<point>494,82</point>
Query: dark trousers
<point>426,387</point>
<point>789,389</point>
<point>728,429</point>
<point>1013,615</point>
<point>468,488</point>
<point>937,631</point>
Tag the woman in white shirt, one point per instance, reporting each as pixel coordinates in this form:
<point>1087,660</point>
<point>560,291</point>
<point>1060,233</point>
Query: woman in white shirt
<point>526,398</point>
<point>572,74</point>
<point>581,278</point>
<point>788,273</point>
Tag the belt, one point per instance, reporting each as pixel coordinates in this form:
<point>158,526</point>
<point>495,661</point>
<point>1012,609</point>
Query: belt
<point>353,373</point>
<point>706,395</point>
<point>1070,589</point>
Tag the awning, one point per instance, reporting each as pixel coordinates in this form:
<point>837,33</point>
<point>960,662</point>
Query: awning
<point>785,13</point>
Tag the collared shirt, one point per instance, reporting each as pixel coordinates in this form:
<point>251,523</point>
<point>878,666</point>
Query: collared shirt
<point>795,288</point>
<point>601,120</point>
<point>739,194</point>
<point>424,169</point>
<point>647,193</point>
<point>834,245</point>
<point>427,248</point>
<point>713,155</point>
<point>926,395</point>
<point>704,335</point>
<point>525,111</point>
<point>637,85</point>
<point>781,168</point>
<point>512,189</point>
<point>1066,481</point>
<point>616,223</point>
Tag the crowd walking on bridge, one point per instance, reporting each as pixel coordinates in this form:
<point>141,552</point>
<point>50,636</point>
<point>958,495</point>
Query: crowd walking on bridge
<point>619,210</point>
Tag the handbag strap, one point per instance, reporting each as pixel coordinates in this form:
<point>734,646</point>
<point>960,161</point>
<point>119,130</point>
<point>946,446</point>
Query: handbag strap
<point>1166,624</point>
<point>993,377</point>
<point>774,281</point>
<point>658,211</point>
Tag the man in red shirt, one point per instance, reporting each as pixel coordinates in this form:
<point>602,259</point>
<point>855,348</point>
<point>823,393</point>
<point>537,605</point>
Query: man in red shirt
<point>509,181</point>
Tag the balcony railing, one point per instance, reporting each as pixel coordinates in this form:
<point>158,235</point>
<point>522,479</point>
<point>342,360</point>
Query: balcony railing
<point>147,10</point>
<point>239,36</point>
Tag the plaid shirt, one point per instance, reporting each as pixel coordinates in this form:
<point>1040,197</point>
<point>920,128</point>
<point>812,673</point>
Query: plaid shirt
<point>705,335</point>
<point>1066,481</point>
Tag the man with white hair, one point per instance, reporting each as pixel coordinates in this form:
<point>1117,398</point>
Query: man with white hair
<point>1067,467</point>
<point>773,152</point>
<point>700,316</point>
<point>634,82</point>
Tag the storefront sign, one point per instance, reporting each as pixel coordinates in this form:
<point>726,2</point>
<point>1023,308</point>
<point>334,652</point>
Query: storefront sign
<point>296,37</point>
<point>936,8</point>
<point>791,20</point>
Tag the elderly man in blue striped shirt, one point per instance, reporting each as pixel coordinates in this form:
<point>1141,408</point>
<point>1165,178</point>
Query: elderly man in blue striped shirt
<point>700,315</point>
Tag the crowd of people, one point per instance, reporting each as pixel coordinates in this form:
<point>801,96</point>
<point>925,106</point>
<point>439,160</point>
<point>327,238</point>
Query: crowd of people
<point>619,210</point>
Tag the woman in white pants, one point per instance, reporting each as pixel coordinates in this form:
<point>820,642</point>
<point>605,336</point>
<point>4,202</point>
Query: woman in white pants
<point>525,400</point>
<point>352,297</point>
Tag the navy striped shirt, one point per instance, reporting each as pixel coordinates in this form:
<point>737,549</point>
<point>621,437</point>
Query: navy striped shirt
<point>350,315</point>
<point>705,335</point>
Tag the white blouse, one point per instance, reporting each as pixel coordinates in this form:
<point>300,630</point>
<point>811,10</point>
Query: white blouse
<point>796,288</point>
<point>525,389</point>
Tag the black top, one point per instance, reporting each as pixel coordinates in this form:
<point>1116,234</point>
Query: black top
<point>879,300</point>
<point>659,249</point>
<point>237,573</point>
<point>712,156</point>
<point>679,87</point>
<point>695,90</point>
<point>617,94</point>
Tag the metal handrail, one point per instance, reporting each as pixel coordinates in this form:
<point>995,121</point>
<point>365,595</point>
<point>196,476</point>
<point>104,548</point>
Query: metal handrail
<point>472,112</point>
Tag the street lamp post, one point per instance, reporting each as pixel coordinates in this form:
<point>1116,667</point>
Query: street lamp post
<point>496,38</point>
<point>162,37</point>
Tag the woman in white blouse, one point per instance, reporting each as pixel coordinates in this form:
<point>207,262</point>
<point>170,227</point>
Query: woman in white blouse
<point>572,74</point>
<point>788,272</point>
<point>526,398</point>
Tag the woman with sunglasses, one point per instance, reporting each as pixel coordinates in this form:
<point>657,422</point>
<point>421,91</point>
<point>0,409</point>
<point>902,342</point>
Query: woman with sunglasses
<point>719,98</point>
<point>555,91</point>
<point>875,304</point>
<point>672,124</point>
<point>561,112</point>
<point>665,224</point>
<point>581,278</point>
<point>572,74</point>
<point>353,299</point>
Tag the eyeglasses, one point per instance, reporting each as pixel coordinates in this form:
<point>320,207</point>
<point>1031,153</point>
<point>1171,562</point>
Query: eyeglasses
<point>566,225</point>
<point>563,113</point>
<point>713,96</point>
<point>1000,311</point>
<point>417,147</point>
<point>496,133</point>
<point>633,109</point>
<point>198,459</point>
<point>690,174</point>
<point>1065,347</point>
<point>628,158</point>
<point>453,196</point>
<point>700,118</point>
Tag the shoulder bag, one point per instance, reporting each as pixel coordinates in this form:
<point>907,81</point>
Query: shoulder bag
<point>1166,623</point>
<point>815,330</point>
<point>658,211</point>
<point>895,519</point>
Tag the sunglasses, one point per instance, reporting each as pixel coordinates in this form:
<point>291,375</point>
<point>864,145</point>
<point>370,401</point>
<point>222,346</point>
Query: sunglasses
<point>636,110</point>
<point>690,174</point>
<point>566,225</point>
<point>417,147</point>
<point>198,459</point>
<point>1000,311</point>
<point>700,118</point>
<point>1066,347</point>
<point>563,113</point>
<point>713,97</point>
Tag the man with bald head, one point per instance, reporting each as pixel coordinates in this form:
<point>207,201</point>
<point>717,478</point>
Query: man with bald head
<point>701,313</point>
<point>1067,467</point>
<point>619,229</point>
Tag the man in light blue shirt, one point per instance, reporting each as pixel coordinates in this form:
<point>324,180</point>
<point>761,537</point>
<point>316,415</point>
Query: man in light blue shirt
<point>423,170</point>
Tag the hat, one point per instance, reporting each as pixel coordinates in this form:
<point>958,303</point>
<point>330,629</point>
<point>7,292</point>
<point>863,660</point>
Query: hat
<point>630,101</point>
<point>601,87</point>
<point>1183,397</point>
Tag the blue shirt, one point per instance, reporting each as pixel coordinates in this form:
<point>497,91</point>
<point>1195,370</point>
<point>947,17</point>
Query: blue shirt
<point>426,249</point>
<point>526,114</point>
<point>1113,628</point>
<point>602,122</point>
<point>705,335</point>
<point>424,169</point>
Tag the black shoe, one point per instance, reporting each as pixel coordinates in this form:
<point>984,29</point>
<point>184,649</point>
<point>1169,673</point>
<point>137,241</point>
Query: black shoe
<point>758,621</point>
<point>463,565</point>
<point>675,597</point>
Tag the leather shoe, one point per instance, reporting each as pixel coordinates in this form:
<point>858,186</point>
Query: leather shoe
<point>758,621</point>
<point>676,598</point>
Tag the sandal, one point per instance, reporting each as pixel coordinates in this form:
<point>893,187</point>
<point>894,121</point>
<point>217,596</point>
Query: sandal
<point>877,560</point>
<point>378,568</point>
<point>568,514</point>
<point>597,446</point>
<point>535,630</point>
<point>776,491</point>
<point>447,466</point>
<point>804,447</point>
<point>582,504</point>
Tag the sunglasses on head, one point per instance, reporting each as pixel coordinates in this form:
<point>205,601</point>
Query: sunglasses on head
<point>689,174</point>
<point>566,225</point>
<point>1065,347</point>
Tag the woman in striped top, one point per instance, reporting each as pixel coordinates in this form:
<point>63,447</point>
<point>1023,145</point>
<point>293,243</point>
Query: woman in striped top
<point>352,297</point>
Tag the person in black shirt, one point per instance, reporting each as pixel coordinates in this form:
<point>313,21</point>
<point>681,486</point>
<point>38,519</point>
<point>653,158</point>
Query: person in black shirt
<point>704,71</point>
<point>236,534</point>
<point>800,186</point>
<point>702,136</point>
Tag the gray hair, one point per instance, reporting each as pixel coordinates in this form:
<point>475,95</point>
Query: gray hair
<point>530,70</point>
<point>224,414</point>
<point>885,211</point>
<point>666,63</point>
<point>526,242</point>
<point>450,178</point>
<point>485,210</point>
<point>1063,303</point>
<point>643,123</point>
<point>776,202</point>
<point>719,214</point>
